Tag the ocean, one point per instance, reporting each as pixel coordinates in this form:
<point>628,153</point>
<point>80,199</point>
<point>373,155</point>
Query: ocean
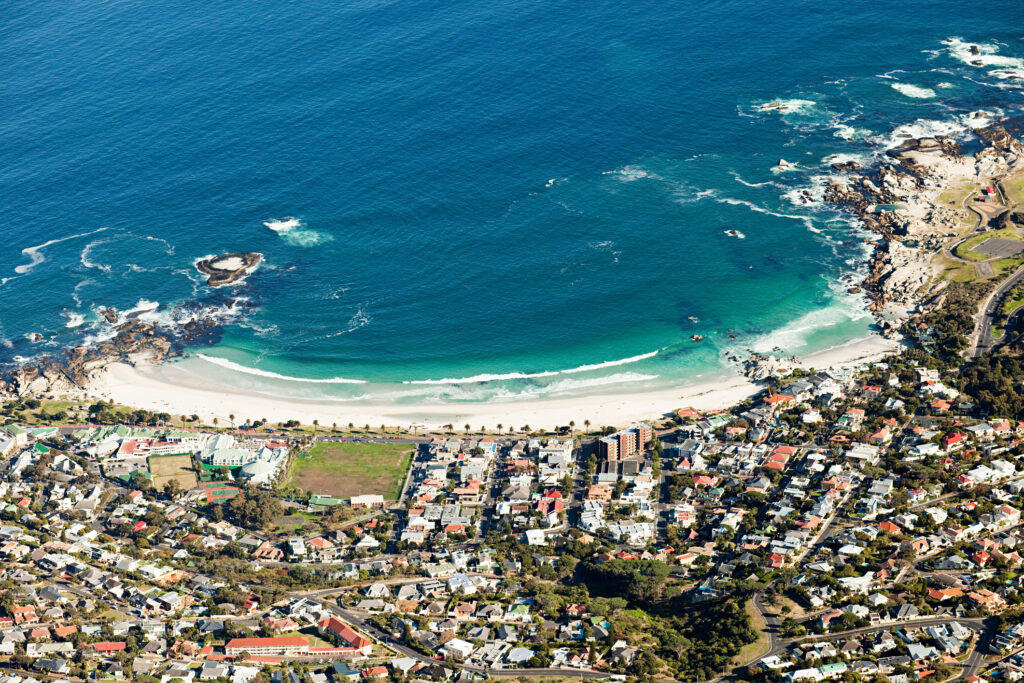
<point>469,200</point>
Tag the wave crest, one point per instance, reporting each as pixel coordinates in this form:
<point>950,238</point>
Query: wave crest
<point>231,365</point>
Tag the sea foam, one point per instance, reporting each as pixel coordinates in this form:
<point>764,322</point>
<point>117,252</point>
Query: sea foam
<point>36,256</point>
<point>914,91</point>
<point>988,56</point>
<point>294,232</point>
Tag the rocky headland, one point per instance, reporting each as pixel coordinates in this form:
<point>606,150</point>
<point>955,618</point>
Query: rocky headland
<point>898,201</point>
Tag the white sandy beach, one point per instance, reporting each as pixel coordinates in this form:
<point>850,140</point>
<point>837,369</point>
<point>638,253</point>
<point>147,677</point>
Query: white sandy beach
<point>168,389</point>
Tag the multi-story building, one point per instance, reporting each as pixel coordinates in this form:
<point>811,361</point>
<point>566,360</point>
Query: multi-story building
<point>625,443</point>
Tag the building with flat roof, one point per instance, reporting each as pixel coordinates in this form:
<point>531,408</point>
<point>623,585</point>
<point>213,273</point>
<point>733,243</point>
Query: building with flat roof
<point>625,443</point>
<point>283,645</point>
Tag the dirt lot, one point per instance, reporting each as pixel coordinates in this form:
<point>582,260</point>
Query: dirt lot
<point>167,467</point>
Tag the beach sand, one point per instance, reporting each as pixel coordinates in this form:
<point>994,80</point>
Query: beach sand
<point>167,388</point>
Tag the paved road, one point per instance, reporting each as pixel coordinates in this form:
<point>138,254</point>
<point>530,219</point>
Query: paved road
<point>977,658</point>
<point>983,340</point>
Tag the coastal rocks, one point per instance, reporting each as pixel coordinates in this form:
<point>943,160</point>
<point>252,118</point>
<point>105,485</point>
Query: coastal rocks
<point>901,275</point>
<point>109,314</point>
<point>131,340</point>
<point>1000,141</point>
<point>783,166</point>
<point>846,166</point>
<point>758,368</point>
<point>841,194</point>
<point>804,196</point>
<point>228,268</point>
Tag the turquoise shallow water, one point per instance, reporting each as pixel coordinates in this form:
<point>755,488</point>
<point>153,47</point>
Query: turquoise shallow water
<point>465,201</point>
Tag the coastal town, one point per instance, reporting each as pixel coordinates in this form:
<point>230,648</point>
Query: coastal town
<point>863,522</point>
<point>856,522</point>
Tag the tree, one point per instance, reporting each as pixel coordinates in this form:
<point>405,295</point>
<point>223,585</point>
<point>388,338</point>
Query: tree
<point>586,425</point>
<point>254,508</point>
<point>637,580</point>
<point>172,488</point>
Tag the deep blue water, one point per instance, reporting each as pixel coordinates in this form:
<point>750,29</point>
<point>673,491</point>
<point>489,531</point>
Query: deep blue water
<point>480,188</point>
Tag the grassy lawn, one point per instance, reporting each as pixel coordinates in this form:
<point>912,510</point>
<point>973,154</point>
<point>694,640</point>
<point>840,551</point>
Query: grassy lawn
<point>955,196</point>
<point>167,467</point>
<point>1014,188</point>
<point>759,647</point>
<point>113,615</point>
<point>314,638</point>
<point>350,469</point>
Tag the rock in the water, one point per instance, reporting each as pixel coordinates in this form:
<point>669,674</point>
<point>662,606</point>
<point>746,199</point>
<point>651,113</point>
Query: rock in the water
<point>227,268</point>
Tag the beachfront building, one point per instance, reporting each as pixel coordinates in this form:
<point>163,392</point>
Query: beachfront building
<point>625,443</point>
<point>222,451</point>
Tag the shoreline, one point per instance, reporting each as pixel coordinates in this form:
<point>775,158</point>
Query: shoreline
<point>166,388</point>
<point>904,277</point>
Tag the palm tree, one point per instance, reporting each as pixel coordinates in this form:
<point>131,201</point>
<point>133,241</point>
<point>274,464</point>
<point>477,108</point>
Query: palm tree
<point>499,427</point>
<point>526,428</point>
<point>467,427</point>
<point>215,422</point>
<point>232,418</point>
<point>316,423</point>
<point>586,425</point>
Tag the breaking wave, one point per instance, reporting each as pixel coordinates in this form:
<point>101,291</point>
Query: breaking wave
<point>294,232</point>
<point>533,375</point>
<point>231,365</point>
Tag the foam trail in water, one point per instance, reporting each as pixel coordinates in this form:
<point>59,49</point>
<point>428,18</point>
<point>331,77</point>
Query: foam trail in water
<point>35,253</point>
<point>87,251</point>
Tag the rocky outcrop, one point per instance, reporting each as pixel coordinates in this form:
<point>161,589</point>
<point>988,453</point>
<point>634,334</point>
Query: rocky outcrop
<point>898,201</point>
<point>133,341</point>
<point>758,368</point>
<point>228,268</point>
